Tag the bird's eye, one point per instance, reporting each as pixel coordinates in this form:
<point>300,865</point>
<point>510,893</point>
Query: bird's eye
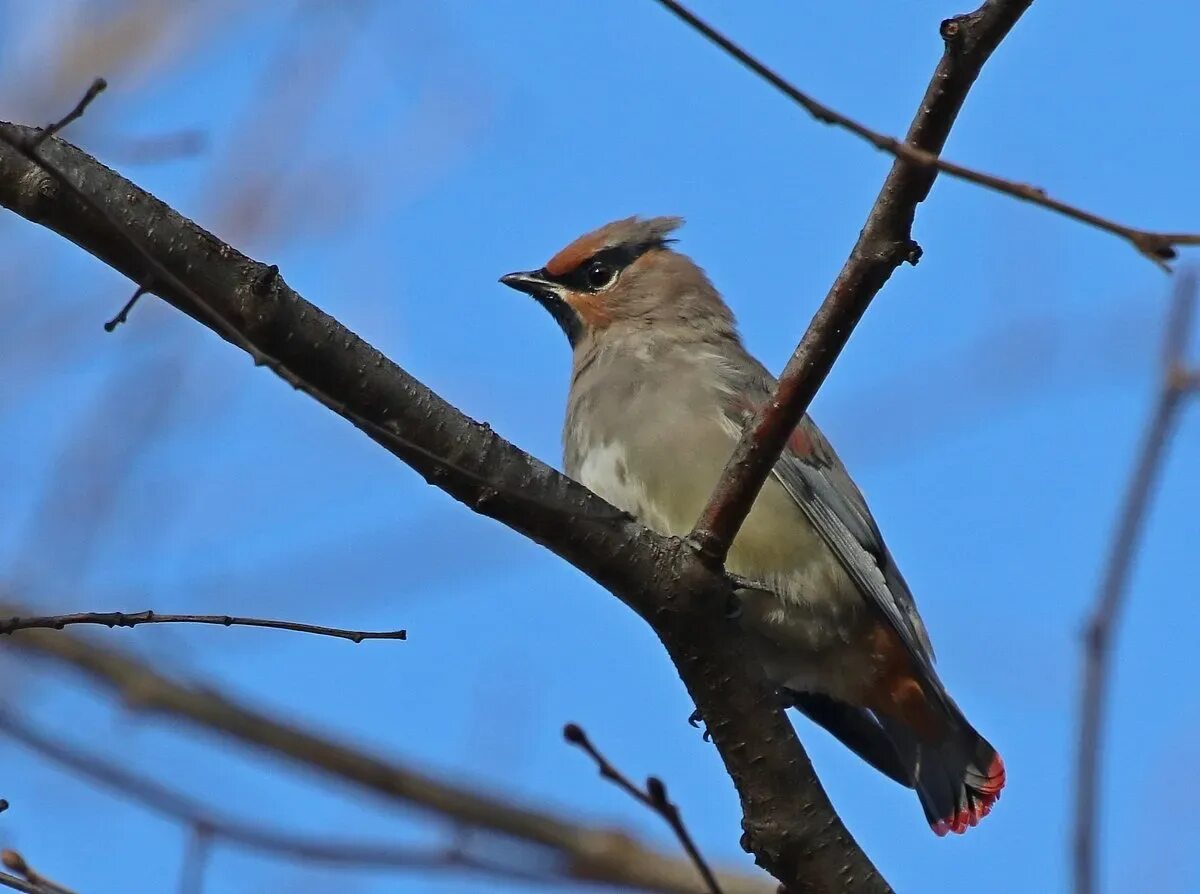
<point>599,275</point>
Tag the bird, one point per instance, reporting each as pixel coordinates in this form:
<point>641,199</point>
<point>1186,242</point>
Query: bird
<point>661,390</point>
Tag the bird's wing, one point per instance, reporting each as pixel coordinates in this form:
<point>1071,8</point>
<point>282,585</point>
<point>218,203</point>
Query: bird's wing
<point>812,474</point>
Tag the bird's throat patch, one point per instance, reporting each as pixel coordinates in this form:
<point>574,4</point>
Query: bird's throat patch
<point>592,309</point>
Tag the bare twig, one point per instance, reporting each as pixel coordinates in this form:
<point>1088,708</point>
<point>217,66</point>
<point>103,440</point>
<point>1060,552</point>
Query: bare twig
<point>14,861</point>
<point>96,88</point>
<point>123,313</point>
<point>575,851</point>
<point>1178,382</point>
<point>133,619</point>
<point>883,245</point>
<point>1158,247</point>
<point>654,797</point>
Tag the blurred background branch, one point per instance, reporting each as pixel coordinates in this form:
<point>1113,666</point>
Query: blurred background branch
<point>562,848</point>
<point>209,827</point>
<point>1180,382</point>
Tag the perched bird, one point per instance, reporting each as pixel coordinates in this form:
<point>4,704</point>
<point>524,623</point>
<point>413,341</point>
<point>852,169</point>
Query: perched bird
<point>661,388</point>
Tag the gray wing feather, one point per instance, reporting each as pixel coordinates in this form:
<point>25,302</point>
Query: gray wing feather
<point>836,508</point>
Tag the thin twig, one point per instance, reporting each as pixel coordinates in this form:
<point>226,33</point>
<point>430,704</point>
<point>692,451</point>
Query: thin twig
<point>1158,247</point>
<point>1178,382</point>
<point>884,243</point>
<point>654,797</point>
<point>75,114</point>
<point>123,313</point>
<point>14,861</point>
<point>133,619</point>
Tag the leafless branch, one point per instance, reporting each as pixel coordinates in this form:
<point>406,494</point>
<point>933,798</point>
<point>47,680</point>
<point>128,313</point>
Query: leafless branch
<point>883,245</point>
<point>133,619</point>
<point>1179,381</point>
<point>578,852</point>
<point>14,861</point>
<point>75,114</point>
<point>790,826</point>
<point>123,313</point>
<point>1158,247</point>
<point>215,827</point>
<point>654,797</point>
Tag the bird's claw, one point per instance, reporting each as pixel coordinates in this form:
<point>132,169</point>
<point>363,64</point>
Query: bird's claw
<point>696,721</point>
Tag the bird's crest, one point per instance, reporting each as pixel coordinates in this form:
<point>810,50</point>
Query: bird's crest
<point>632,231</point>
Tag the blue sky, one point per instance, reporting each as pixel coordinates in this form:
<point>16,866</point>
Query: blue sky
<point>989,405</point>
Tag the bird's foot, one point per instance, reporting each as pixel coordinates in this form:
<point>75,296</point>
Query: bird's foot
<point>696,721</point>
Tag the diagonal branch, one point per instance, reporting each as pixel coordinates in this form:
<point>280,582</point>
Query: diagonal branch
<point>1158,247</point>
<point>654,797</point>
<point>883,245</point>
<point>209,825</point>
<point>1178,382</point>
<point>134,619</point>
<point>790,825</point>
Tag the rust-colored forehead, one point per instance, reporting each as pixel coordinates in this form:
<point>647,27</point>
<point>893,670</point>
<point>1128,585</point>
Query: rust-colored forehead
<point>578,251</point>
<point>631,231</point>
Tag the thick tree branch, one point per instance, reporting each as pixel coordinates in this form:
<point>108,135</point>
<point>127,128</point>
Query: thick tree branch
<point>135,619</point>
<point>1158,247</point>
<point>789,824</point>
<point>883,245</point>
<point>584,853</point>
<point>1179,381</point>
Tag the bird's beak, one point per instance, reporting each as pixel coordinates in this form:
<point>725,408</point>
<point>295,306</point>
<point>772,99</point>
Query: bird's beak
<point>531,282</point>
<point>550,296</point>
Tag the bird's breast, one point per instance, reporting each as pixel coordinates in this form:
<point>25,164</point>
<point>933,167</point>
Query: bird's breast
<point>664,475</point>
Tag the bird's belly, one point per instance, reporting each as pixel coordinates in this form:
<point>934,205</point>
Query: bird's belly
<point>813,610</point>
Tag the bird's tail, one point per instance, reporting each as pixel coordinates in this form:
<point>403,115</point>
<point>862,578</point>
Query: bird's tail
<point>958,777</point>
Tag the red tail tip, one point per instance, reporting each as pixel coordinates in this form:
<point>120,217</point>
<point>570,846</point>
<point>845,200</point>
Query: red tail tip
<point>995,780</point>
<point>986,795</point>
